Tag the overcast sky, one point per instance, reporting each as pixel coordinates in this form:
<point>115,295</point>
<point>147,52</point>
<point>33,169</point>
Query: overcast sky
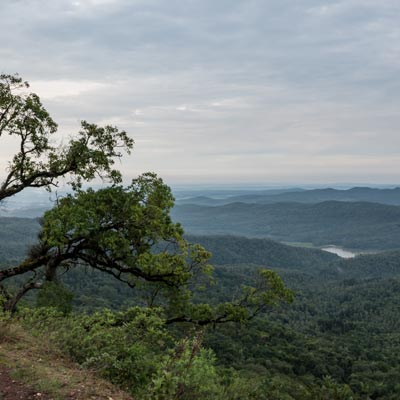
<point>222,91</point>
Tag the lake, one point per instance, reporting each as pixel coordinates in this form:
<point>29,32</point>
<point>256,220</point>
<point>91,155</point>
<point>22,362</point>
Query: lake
<point>339,251</point>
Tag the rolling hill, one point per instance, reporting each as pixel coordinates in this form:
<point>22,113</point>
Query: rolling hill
<point>356,225</point>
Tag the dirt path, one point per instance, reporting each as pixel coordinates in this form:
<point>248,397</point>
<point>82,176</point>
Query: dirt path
<point>10,389</point>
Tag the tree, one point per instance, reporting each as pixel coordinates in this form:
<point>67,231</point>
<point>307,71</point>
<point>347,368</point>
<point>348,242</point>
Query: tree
<point>122,231</point>
<point>38,163</point>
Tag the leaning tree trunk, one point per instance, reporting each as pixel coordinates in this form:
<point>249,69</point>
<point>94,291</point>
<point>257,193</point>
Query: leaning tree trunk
<point>11,304</point>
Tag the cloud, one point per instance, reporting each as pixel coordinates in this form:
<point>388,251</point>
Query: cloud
<point>221,87</point>
<point>55,89</point>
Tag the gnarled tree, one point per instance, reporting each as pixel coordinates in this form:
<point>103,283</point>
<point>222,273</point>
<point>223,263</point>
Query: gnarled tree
<point>40,163</point>
<point>125,232</point>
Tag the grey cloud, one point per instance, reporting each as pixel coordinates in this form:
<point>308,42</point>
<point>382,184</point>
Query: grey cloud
<point>221,86</point>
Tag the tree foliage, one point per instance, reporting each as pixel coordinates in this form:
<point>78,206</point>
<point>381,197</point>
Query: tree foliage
<point>126,232</point>
<point>40,163</point>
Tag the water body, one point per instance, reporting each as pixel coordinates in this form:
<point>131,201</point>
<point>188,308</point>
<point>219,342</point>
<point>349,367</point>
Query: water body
<point>339,251</point>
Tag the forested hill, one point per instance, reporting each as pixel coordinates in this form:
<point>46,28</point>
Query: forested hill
<point>383,196</point>
<point>370,266</point>
<point>357,225</point>
<point>325,332</point>
<point>290,260</point>
<point>240,250</point>
<point>16,235</point>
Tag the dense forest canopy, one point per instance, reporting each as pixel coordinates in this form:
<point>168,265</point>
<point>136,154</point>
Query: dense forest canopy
<point>342,324</point>
<point>355,225</point>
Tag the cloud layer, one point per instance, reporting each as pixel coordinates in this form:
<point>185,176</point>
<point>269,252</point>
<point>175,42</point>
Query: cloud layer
<point>229,91</point>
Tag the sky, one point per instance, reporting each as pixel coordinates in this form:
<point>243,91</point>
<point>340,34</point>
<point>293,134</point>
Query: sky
<point>220,92</point>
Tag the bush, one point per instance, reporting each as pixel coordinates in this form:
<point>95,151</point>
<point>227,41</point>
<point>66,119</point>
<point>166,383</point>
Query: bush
<point>54,294</point>
<point>187,372</point>
<point>124,347</point>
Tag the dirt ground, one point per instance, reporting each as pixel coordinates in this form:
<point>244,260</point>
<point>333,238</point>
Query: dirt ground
<point>10,389</point>
<point>32,369</point>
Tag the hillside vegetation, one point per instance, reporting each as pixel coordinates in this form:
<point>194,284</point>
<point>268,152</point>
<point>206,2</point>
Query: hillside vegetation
<point>339,337</point>
<point>32,367</point>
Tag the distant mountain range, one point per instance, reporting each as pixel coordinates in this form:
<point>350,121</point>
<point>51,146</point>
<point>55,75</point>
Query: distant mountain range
<point>384,196</point>
<point>34,203</point>
<point>359,218</point>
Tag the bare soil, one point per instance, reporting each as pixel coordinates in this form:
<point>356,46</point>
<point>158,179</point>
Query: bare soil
<point>31,369</point>
<point>10,389</point>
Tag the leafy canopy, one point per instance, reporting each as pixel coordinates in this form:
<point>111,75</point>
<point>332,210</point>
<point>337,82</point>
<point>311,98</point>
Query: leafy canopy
<point>126,232</point>
<point>40,163</point>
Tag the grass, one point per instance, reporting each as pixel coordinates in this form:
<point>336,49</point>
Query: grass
<point>35,362</point>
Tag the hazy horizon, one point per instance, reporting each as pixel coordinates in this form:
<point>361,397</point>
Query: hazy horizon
<point>232,92</point>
